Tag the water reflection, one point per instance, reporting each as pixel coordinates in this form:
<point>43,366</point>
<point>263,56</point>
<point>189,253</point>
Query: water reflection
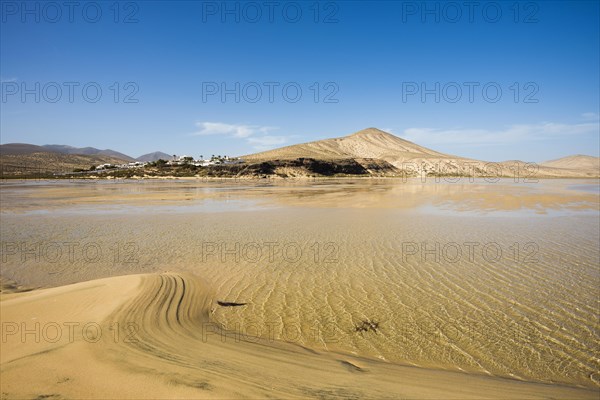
<point>466,195</point>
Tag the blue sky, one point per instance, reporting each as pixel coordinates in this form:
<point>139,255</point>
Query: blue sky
<point>223,78</point>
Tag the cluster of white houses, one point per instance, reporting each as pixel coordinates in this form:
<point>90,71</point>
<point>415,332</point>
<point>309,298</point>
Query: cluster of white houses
<point>133,164</point>
<point>181,160</point>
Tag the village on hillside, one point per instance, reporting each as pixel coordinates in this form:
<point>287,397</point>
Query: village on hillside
<point>176,160</point>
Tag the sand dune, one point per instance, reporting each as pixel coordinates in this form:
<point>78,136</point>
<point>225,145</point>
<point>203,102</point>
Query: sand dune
<point>151,336</point>
<point>578,161</point>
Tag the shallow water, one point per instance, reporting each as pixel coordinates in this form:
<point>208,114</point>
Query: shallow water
<point>495,278</point>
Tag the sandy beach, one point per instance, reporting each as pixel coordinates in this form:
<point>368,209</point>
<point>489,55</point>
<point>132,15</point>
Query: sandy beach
<point>154,339</point>
<point>190,289</point>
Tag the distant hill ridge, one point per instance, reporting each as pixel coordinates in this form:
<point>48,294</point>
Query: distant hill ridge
<point>575,161</point>
<point>88,151</point>
<point>157,155</point>
<point>24,148</point>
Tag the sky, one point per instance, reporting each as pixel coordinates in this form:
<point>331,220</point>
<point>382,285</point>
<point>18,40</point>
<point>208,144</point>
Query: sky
<point>497,80</point>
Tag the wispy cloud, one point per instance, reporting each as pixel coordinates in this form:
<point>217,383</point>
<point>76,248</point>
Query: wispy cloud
<point>590,116</point>
<point>234,130</point>
<point>511,134</point>
<point>255,135</point>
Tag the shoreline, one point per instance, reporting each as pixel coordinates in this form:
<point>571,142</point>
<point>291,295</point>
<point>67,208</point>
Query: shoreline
<point>446,178</point>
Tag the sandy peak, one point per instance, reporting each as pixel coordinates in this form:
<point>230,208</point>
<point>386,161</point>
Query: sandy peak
<point>370,131</point>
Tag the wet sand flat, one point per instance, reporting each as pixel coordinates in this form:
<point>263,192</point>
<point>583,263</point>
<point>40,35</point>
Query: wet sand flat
<point>479,287</point>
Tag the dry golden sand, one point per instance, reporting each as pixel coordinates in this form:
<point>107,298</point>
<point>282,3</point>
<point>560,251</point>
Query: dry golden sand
<point>150,336</point>
<point>516,328</point>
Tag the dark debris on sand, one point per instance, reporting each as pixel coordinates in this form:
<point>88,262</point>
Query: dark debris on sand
<point>367,326</point>
<point>230,304</point>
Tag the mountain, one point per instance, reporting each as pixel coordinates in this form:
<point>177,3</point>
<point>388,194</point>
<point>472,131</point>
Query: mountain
<point>406,156</point>
<point>35,164</point>
<point>157,155</point>
<point>89,151</point>
<point>21,159</point>
<point>20,148</point>
<point>578,161</point>
<point>368,143</point>
<point>24,148</point>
